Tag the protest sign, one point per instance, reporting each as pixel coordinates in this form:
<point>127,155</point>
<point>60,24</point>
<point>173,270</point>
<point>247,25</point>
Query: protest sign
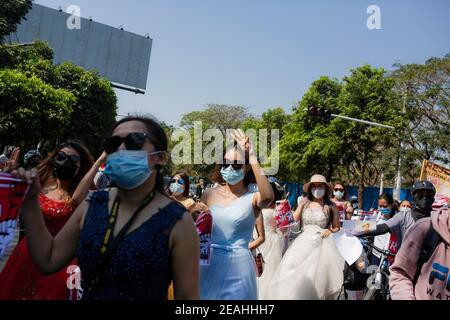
<point>204,230</point>
<point>284,217</point>
<point>12,192</point>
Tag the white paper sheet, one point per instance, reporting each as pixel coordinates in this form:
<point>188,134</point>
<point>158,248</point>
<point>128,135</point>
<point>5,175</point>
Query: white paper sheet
<point>348,245</point>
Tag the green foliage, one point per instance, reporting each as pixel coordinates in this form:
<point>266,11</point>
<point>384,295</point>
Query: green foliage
<point>307,144</point>
<point>95,110</point>
<point>217,116</point>
<point>11,13</point>
<point>95,106</point>
<point>425,92</point>
<point>27,104</point>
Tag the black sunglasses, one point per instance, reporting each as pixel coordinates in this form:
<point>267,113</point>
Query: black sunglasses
<point>342,190</point>
<point>133,141</point>
<point>236,166</point>
<point>62,156</point>
<point>180,181</point>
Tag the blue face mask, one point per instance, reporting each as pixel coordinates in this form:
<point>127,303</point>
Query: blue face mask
<point>176,189</point>
<point>232,176</point>
<point>128,169</point>
<point>385,211</point>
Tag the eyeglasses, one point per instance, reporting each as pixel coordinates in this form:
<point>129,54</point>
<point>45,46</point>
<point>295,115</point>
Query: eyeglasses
<point>133,141</point>
<point>62,156</point>
<point>337,189</point>
<point>180,181</point>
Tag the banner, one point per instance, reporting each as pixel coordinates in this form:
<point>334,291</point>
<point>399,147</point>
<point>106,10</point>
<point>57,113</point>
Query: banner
<point>204,230</point>
<point>284,217</point>
<point>440,178</point>
<point>12,192</point>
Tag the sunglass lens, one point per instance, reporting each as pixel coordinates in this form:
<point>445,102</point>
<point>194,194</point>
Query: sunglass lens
<point>61,156</point>
<point>112,144</point>
<point>135,141</point>
<point>74,158</point>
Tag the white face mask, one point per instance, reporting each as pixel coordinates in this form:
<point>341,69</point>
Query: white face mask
<point>338,194</point>
<point>318,192</point>
<point>405,209</point>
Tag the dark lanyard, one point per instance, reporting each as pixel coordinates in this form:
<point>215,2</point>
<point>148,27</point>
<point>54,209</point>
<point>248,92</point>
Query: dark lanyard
<point>108,248</point>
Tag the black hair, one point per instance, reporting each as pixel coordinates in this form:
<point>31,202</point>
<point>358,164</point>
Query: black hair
<point>183,175</point>
<point>47,172</point>
<point>390,202</point>
<point>278,191</point>
<point>157,137</point>
<point>249,176</point>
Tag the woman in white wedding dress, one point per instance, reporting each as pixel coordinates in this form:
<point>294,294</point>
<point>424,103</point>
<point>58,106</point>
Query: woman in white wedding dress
<point>272,248</point>
<point>312,268</point>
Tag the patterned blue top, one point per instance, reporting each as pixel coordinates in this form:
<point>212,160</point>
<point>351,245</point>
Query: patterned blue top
<point>140,268</point>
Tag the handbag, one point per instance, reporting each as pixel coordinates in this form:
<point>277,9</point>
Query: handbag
<point>259,260</point>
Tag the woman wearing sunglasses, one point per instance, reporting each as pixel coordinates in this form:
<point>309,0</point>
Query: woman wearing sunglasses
<point>130,241</point>
<point>231,274</point>
<point>345,209</point>
<point>179,190</point>
<point>65,176</point>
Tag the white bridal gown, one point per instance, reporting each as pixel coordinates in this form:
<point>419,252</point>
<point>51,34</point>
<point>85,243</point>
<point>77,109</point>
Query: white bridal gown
<point>312,268</point>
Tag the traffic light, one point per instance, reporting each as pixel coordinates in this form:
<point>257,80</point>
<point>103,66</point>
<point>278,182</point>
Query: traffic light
<point>320,112</point>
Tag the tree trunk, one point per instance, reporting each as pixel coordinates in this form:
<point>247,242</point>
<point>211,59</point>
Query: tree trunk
<point>329,174</point>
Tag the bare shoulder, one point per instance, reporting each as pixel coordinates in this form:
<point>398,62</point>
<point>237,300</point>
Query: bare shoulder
<point>183,230</point>
<point>208,193</point>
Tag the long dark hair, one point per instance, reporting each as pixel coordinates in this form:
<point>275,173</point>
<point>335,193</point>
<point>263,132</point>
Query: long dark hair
<point>345,198</point>
<point>217,177</point>
<point>47,172</point>
<point>389,200</point>
<point>157,137</point>
<point>328,204</point>
<point>183,174</point>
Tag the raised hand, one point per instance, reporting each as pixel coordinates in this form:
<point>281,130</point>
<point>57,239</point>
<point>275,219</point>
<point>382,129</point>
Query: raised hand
<point>243,141</point>
<point>32,178</point>
<point>13,161</point>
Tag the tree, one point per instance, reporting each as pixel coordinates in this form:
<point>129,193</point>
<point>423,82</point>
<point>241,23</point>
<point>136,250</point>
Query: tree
<point>11,13</point>
<point>425,92</point>
<point>308,145</point>
<point>95,108</point>
<point>30,110</point>
<point>217,116</point>
<point>368,94</point>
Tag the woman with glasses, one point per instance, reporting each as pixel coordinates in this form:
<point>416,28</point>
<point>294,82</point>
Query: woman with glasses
<point>179,190</point>
<point>65,177</point>
<point>231,274</point>
<point>130,241</point>
<point>345,209</point>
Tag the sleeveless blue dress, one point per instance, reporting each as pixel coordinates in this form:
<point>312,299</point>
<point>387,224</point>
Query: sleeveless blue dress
<point>140,268</point>
<point>231,274</point>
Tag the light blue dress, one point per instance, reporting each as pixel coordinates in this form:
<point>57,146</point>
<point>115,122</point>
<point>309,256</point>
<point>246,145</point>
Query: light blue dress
<point>231,274</point>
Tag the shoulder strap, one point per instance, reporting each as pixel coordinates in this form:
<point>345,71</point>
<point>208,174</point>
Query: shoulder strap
<point>430,242</point>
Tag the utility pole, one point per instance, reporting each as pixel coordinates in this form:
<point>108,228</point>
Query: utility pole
<point>398,180</point>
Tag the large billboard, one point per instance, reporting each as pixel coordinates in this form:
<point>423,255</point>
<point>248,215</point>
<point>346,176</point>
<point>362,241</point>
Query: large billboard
<point>121,56</point>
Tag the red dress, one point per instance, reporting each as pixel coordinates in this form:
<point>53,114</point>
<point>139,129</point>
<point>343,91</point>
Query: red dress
<point>20,279</point>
